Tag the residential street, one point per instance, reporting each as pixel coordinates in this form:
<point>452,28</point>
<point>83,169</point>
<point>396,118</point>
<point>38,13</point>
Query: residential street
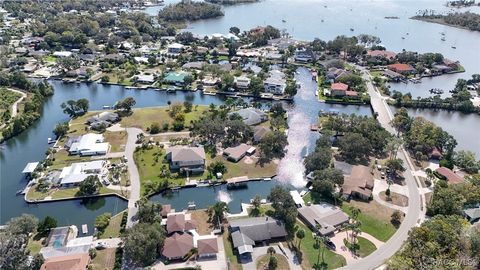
<point>416,207</point>
<point>133,173</point>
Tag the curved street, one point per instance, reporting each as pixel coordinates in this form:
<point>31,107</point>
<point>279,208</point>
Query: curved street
<point>415,213</point>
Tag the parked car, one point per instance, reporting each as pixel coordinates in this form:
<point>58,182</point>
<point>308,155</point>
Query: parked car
<point>330,244</point>
<point>101,245</point>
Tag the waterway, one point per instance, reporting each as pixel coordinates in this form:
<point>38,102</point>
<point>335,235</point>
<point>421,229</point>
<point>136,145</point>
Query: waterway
<point>32,144</point>
<point>326,19</point>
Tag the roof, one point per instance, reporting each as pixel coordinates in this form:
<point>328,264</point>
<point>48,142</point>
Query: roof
<point>104,116</point>
<point>401,67</point>
<point>177,245</point>
<point>89,141</point>
<point>256,229</point>
<point>324,216</point>
<point>176,222</point>
<point>237,152</point>
<point>296,197</point>
<point>451,176</point>
<point>386,54</point>
<point>251,116</point>
<point>175,76</point>
<point>166,208</point>
<point>196,65</point>
<point>360,181</point>
<point>69,262</point>
<point>207,246</point>
<point>77,172</point>
<point>30,168</point>
<point>351,93</point>
<point>472,213</point>
<point>339,86</point>
<point>182,153</point>
<point>259,132</point>
<point>175,46</point>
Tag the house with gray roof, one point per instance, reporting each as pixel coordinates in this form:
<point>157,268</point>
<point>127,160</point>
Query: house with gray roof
<point>249,231</point>
<point>251,116</point>
<point>323,218</point>
<point>190,159</point>
<point>472,214</point>
<point>106,118</point>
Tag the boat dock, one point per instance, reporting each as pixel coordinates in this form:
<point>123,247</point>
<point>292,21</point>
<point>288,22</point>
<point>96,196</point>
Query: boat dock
<point>84,229</point>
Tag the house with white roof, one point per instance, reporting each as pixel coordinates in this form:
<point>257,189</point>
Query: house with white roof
<point>77,172</point>
<point>174,48</point>
<point>275,83</point>
<point>242,82</point>
<point>90,144</point>
<point>62,54</point>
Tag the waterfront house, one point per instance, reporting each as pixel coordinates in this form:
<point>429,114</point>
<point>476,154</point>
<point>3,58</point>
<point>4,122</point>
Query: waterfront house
<point>404,69</point>
<point>242,82</point>
<point>177,246</point>
<point>103,118</point>
<point>251,116</point>
<point>275,83</point>
<point>77,172</point>
<point>338,89</point>
<point>259,132</point>
<point>236,153</point>
<point>282,43</point>
<point>304,55</point>
<point>246,233</point>
<point>180,222</point>
<point>323,218</point>
<point>359,184</point>
<point>382,54</point>
<point>451,63</point>
<point>176,78</point>
<point>185,158</point>
<point>174,48</point>
<point>210,81</point>
<point>442,68</point>
<point>145,78</point>
<point>449,175</point>
<point>392,75</point>
<point>68,262</point>
<point>333,74</point>
<point>207,248</point>
<point>90,144</point>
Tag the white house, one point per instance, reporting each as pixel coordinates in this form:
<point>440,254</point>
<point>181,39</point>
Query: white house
<point>174,48</point>
<point>275,83</point>
<point>242,82</point>
<point>89,144</point>
<point>78,172</point>
<point>62,54</point>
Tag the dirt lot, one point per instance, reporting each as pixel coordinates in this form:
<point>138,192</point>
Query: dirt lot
<point>395,198</point>
<point>203,226</point>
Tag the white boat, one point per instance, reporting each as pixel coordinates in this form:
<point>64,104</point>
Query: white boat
<point>191,206</point>
<point>84,229</point>
<point>50,141</point>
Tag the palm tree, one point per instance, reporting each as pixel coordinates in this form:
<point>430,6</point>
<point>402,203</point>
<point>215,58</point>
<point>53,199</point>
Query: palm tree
<point>169,103</point>
<point>300,235</point>
<point>271,251</point>
<point>320,245</point>
<point>217,212</point>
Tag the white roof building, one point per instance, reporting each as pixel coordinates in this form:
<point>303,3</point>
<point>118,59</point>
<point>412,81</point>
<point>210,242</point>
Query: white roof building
<point>78,172</point>
<point>242,82</point>
<point>89,145</point>
<point>62,54</point>
<point>30,168</point>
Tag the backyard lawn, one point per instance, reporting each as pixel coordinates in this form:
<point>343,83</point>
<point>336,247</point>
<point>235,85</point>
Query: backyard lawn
<point>332,259</point>
<point>63,193</point>
<point>145,117</point>
<point>117,140</point>
<point>105,259</point>
<point>113,228</point>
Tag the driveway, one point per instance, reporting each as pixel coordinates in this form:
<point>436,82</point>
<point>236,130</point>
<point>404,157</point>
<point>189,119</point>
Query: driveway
<point>133,174</point>
<point>343,250</point>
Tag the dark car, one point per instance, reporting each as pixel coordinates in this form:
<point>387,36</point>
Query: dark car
<point>330,244</point>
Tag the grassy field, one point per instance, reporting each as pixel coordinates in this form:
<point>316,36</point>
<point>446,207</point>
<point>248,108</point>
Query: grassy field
<point>34,245</point>
<point>363,247</point>
<point>150,163</point>
<point>375,218</point>
<point>105,259</point>
<point>310,254</point>
<point>63,159</point>
<point>117,140</point>
<point>145,117</point>
<point>113,228</point>
<point>282,263</point>
<point>33,194</point>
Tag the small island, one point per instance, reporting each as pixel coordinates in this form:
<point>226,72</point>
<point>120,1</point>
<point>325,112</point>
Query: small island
<point>190,11</point>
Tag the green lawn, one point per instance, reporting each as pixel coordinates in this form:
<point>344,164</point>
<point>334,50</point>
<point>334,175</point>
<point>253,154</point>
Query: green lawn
<point>63,193</point>
<point>34,245</point>
<point>113,228</point>
<point>363,246</point>
<point>332,259</point>
<point>282,263</point>
<point>145,117</point>
<point>378,228</point>
<point>150,163</point>
<point>105,259</point>
<point>117,140</point>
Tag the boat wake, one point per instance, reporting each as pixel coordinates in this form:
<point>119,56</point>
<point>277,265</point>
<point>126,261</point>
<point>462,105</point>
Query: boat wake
<point>224,196</point>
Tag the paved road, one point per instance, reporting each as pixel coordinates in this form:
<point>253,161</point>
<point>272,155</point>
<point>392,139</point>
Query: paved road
<point>416,209</point>
<point>133,173</point>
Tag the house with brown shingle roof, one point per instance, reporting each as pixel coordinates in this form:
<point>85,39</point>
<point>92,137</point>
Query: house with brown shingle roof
<point>449,175</point>
<point>338,89</point>
<point>359,184</point>
<point>179,222</point>
<point>207,248</point>
<point>177,246</point>
<point>402,68</point>
<point>382,54</point>
<point>69,262</point>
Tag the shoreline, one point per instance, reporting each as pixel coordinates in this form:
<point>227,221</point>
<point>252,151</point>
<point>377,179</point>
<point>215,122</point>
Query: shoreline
<point>111,194</point>
<point>440,21</point>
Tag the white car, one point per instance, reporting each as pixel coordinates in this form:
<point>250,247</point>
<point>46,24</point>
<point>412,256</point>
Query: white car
<point>101,245</point>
